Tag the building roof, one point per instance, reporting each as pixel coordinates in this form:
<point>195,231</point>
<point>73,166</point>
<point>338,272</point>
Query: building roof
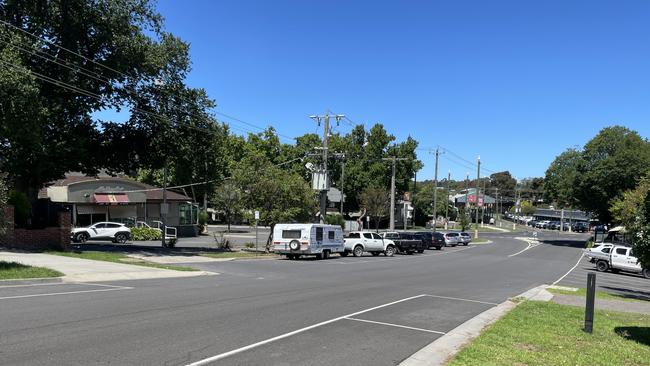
<point>568,214</point>
<point>152,193</point>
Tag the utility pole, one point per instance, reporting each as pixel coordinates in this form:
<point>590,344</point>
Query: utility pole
<point>496,206</point>
<point>325,148</point>
<point>514,218</point>
<point>342,183</point>
<point>415,188</point>
<point>478,192</point>
<point>447,203</point>
<point>467,210</point>
<point>435,193</point>
<point>483,205</point>
<point>393,160</point>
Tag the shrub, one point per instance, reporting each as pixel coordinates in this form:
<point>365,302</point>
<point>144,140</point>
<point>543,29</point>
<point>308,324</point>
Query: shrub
<point>145,233</point>
<point>250,245</point>
<point>335,220</point>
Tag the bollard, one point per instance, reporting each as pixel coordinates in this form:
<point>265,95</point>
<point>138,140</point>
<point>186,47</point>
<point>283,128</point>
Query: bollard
<point>591,298</point>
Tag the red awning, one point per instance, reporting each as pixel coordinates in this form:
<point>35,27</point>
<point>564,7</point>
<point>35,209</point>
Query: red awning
<point>111,199</point>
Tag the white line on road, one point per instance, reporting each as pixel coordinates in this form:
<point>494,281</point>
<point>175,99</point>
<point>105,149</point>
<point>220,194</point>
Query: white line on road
<point>531,245</point>
<point>63,283</point>
<point>395,325</point>
<point>65,293</point>
<point>467,300</point>
<point>571,270</point>
<point>286,335</point>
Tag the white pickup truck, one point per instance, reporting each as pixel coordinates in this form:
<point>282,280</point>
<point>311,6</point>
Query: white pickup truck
<point>357,242</point>
<point>599,251</point>
<point>621,259</point>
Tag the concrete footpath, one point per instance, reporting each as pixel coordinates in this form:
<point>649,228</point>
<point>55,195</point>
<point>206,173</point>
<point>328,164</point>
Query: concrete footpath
<point>86,270</point>
<point>638,306</point>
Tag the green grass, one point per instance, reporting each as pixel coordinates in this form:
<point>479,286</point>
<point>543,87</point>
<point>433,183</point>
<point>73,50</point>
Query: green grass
<point>479,240</point>
<point>582,292</point>
<point>544,333</point>
<point>15,271</point>
<point>237,255</point>
<point>119,258</point>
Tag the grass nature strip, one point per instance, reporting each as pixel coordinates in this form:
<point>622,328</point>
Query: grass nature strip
<point>16,271</point>
<point>544,333</point>
<point>119,258</point>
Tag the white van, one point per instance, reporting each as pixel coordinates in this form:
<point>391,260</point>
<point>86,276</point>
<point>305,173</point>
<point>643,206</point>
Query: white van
<point>294,240</point>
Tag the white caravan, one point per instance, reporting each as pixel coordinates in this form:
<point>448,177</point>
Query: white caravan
<point>294,240</point>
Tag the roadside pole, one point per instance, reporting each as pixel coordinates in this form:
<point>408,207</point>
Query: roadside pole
<point>164,208</point>
<point>447,203</point>
<point>435,193</point>
<point>590,302</point>
<point>257,219</point>
<point>393,160</point>
<point>478,192</point>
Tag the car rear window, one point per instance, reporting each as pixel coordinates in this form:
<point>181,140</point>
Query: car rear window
<point>291,234</point>
<point>354,236</point>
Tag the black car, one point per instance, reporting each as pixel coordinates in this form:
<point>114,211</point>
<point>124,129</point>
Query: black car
<point>580,227</point>
<point>431,239</point>
<point>406,242</point>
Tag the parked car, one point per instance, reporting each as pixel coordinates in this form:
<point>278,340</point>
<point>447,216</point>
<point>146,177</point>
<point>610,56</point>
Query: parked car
<point>431,240</point>
<point>358,242</point>
<point>532,223</point>
<point>599,251</point>
<point>580,227</point>
<point>621,259</point>
<point>113,231</point>
<point>465,238</point>
<point>295,240</point>
<point>452,239</point>
<point>542,224</point>
<point>405,242</point>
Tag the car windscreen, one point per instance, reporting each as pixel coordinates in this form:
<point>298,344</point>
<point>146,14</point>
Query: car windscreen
<point>291,234</point>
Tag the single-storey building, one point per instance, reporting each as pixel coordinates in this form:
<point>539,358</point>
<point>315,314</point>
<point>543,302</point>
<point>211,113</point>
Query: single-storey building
<point>120,199</point>
<point>555,215</point>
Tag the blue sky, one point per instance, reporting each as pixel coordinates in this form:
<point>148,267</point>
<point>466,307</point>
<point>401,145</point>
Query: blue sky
<point>516,82</point>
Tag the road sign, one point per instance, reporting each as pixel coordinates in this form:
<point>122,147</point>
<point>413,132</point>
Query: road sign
<point>257,215</point>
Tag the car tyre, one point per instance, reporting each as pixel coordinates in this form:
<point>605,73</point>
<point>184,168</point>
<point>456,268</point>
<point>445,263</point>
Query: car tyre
<point>390,251</point>
<point>358,251</point>
<point>121,238</point>
<point>602,266</point>
<point>81,238</point>
<point>646,273</point>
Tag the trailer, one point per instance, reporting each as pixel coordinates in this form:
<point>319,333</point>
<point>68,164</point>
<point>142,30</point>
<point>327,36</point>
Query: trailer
<point>296,240</point>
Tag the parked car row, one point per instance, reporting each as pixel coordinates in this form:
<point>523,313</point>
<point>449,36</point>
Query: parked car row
<point>296,240</point>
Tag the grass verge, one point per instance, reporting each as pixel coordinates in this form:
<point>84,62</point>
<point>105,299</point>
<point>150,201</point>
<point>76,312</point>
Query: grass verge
<point>544,333</point>
<point>582,292</point>
<point>119,258</point>
<point>479,240</point>
<point>16,271</point>
<point>237,255</point>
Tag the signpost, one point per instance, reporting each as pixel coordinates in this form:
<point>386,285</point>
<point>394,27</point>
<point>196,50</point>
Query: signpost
<point>589,308</point>
<point>257,219</point>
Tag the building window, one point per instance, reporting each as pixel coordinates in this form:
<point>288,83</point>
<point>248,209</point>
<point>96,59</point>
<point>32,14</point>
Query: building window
<point>187,214</point>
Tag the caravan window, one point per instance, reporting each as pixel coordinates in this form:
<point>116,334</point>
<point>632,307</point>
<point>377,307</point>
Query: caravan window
<point>319,234</point>
<point>291,234</point>
<point>330,235</point>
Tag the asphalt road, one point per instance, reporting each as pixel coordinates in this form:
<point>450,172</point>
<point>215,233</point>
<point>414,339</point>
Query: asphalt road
<point>342,311</point>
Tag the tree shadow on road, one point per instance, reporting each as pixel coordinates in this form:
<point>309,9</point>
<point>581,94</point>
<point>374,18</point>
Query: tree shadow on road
<point>629,294</point>
<point>565,243</point>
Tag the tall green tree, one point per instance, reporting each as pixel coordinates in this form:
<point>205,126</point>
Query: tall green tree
<point>46,125</point>
<point>376,201</point>
<point>561,178</point>
<point>228,199</point>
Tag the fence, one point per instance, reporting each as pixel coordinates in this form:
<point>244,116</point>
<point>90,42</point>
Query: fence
<point>57,238</point>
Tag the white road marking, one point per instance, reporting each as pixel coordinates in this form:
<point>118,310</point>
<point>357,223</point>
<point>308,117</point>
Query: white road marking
<point>531,245</point>
<point>64,293</point>
<point>460,299</point>
<point>571,270</point>
<point>395,325</point>
<point>35,284</point>
<point>298,331</point>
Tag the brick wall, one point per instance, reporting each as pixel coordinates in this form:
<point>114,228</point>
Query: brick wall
<point>57,238</point>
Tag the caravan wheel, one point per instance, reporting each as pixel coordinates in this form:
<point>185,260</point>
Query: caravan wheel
<point>326,254</point>
<point>294,245</point>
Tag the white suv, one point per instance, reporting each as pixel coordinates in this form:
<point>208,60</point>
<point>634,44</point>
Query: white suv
<point>358,242</point>
<point>113,231</point>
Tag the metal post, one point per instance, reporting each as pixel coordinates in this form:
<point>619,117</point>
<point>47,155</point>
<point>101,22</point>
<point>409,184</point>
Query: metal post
<point>164,208</point>
<point>478,192</point>
<point>342,183</point>
<point>415,189</point>
<point>391,226</point>
<point>589,308</point>
<point>561,221</point>
<point>323,193</point>
<point>435,193</point>
<point>256,241</point>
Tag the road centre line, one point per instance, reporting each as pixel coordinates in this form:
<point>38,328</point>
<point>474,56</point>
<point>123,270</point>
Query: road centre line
<point>64,293</point>
<point>298,331</point>
<point>395,325</point>
<point>571,270</point>
<point>530,246</point>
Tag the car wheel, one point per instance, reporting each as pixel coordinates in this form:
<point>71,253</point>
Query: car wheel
<point>602,266</point>
<point>646,273</point>
<point>120,238</point>
<point>358,251</point>
<point>374,254</point>
<point>82,238</point>
<point>390,251</point>
<point>344,253</point>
